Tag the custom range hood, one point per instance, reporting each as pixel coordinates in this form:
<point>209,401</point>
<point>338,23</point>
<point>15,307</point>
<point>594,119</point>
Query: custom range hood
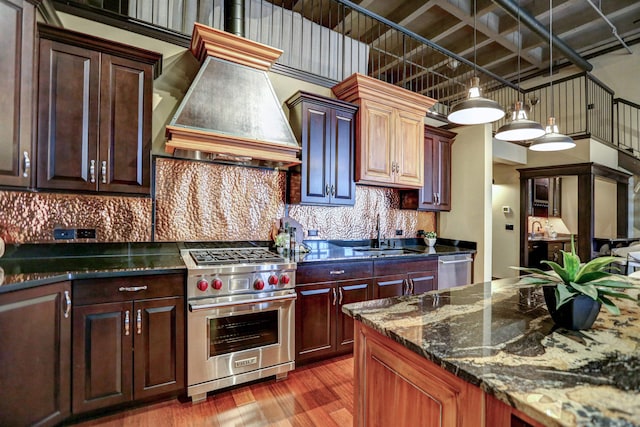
<point>231,113</point>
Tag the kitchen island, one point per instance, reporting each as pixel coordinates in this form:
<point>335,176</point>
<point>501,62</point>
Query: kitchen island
<point>489,353</point>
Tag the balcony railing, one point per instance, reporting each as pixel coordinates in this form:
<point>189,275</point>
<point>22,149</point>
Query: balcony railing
<point>328,40</point>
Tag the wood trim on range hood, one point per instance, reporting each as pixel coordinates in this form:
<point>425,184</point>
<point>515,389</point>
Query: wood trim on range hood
<point>231,112</point>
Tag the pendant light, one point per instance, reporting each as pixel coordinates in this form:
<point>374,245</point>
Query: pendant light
<point>552,140</point>
<point>475,109</point>
<point>520,128</point>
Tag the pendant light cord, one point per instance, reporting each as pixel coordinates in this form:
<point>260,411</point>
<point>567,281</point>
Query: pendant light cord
<point>551,54</point>
<point>519,47</point>
<point>475,45</point>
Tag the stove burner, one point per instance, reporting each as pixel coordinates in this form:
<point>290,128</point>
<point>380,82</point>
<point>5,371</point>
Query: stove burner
<point>234,256</point>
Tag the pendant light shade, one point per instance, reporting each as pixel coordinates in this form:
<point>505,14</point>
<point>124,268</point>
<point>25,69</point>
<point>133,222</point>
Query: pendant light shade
<point>475,109</point>
<point>552,140</point>
<point>520,128</point>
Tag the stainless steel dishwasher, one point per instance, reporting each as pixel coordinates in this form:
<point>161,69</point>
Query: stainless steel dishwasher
<point>454,270</point>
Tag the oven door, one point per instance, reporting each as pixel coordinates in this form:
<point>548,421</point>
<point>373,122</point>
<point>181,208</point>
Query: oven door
<point>233,335</point>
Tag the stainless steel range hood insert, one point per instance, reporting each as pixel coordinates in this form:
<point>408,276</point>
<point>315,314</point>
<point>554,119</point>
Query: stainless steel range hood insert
<point>231,112</point>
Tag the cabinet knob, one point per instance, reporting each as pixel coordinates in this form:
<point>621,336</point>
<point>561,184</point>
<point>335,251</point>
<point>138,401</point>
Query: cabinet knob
<point>26,164</point>
<point>333,190</point>
<point>326,190</point>
<point>92,171</point>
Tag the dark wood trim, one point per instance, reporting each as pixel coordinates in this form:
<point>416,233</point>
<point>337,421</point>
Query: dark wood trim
<point>111,47</point>
<point>48,12</point>
<point>622,199</point>
<point>285,70</point>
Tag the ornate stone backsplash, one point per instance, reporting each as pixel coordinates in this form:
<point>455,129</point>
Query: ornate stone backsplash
<point>203,201</point>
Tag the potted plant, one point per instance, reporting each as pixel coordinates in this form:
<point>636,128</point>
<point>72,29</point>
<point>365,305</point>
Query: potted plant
<point>575,292</point>
<point>430,238</point>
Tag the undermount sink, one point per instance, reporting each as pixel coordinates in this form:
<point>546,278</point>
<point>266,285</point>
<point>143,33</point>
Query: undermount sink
<point>385,251</point>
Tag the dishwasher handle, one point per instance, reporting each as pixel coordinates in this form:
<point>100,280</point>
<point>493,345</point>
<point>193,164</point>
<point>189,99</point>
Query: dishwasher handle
<point>456,261</point>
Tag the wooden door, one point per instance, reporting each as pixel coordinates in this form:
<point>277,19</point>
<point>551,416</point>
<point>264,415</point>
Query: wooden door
<point>427,194</point>
<point>35,338</point>
<point>316,167</point>
<point>389,286</point>
<point>315,321</point>
<point>435,195</point>
<point>424,281</point>
<point>68,97</point>
<point>375,153</point>
<point>342,166</point>
<point>443,161</point>
<point>126,89</point>
<point>349,292</point>
<point>17,20</point>
<point>158,344</point>
<point>102,355</point>
<point>409,150</point>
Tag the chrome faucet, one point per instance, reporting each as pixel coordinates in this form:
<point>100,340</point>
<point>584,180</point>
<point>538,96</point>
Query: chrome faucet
<point>376,241</point>
<point>533,230</point>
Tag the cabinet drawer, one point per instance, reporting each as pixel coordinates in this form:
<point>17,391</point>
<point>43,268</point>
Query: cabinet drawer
<point>329,272</point>
<point>403,266</point>
<point>127,288</point>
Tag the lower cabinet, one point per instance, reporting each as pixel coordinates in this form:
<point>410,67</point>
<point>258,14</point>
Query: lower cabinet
<point>128,336</point>
<point>417,391</point>
<point>403,277</point>
<point>322,330</point>
<point>35,355</point>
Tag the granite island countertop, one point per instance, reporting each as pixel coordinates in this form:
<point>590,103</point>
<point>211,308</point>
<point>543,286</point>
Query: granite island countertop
<point>502,340</point>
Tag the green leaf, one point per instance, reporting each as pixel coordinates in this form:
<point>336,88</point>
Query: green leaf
<point>587,289</point>
<point>614,284</point>
<point>534,280</point>
<point>571,263</point>
<point>596,264</point>
<point>532,270</point>
<point>609,305</point>
<point>615,294</point>
<point>564,294</point>
<point>559,271</point>
<point>593,276</point>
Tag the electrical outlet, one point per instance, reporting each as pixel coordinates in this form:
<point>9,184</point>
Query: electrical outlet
<point>312,233</point>
<point>508,227</point>
<point>398,232</point>
<point>86,233</point>
<point>64,233</point>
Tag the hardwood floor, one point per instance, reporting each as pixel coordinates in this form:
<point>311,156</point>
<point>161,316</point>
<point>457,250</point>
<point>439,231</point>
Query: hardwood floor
<point>319,394</point>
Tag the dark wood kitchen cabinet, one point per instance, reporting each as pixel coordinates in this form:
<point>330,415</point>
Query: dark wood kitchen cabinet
<point>128,336</point>
<point>435,195</point>
<point>326,129</point>
<point>402,277</point>
<point>35,355</point>
<point>17,19</point>
<point>94,113</point>
<point>322,330</point>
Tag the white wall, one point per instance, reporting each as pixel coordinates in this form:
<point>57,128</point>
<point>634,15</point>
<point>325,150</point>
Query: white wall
<point>470,216</point>
<point>605,208</point>
<point>506,243</point>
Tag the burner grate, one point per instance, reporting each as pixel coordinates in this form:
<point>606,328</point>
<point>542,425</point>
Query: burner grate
<point>234,256</point>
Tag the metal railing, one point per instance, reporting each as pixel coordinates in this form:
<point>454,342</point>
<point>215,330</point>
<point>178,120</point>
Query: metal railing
<point>331,39</point>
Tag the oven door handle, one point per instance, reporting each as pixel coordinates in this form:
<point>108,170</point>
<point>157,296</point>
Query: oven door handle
<point>198,307</point>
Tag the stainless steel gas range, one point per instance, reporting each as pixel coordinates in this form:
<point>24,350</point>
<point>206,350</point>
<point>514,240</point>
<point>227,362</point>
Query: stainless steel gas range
<point>240,323</point>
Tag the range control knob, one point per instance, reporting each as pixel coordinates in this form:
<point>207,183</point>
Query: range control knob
<point>273,279</point>
<point>202,285</point>
<point>217,284</point>
<point>258,284</point>
<point>285,279</point>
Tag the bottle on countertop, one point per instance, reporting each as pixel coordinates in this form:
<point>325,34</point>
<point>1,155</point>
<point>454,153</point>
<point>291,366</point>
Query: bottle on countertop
<point>292,240</point>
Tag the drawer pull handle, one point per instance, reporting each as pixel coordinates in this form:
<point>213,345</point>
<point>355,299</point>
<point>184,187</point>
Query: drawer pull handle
<point>335,272</point>
<point>67,300</point>
<point>26,164</point>
<point>340,300</point>
<point>334,296</point>
<point>126,322</point>
<point>132,288</point>
<point>139,321</point>
<point>104,172</point>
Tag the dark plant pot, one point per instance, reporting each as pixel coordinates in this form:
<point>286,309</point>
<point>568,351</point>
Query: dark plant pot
<point>577,314</point>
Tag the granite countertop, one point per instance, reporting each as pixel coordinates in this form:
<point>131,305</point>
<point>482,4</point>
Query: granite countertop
<point>335,250</point>
<point>29,265</point>
<point>502,339</point>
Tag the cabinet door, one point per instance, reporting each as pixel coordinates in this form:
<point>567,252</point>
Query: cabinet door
<point>316,167</point>
<point>158,331</point>
<point>389,286</point>
<point>343,190</point>
<point>376,151</point>
<point>69,79</point>
<point>436,192</point>
<point>125,125</point>
<point>424,281</point>
<point>443,160</point>
<point>349,292</point>
<point>17,20</point>
<point>102,355</point>
<point>315,321</point>
<point>409,149</point>
<point>35,338</point>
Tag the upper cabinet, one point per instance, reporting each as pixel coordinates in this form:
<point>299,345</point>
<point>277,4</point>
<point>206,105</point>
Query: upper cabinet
<point>389,131</point>
<point>94,113</point>
<point>544,196</point>
<point>435,195</point>
<point>326,129</point>
<point>17,18</point>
